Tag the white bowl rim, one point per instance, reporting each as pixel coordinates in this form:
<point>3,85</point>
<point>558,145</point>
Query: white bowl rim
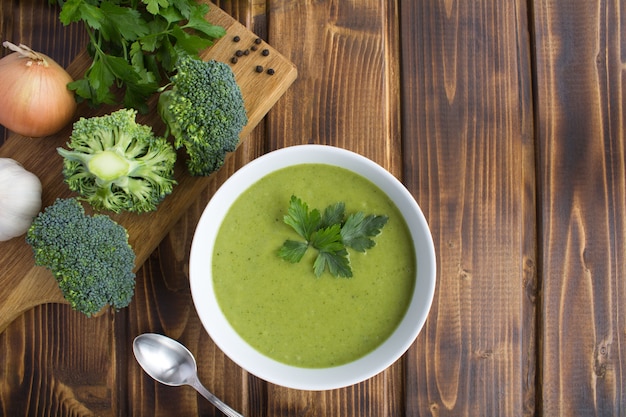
<point>270,370</point>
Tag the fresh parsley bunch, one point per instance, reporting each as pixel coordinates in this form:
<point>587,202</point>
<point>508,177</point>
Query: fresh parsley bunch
<point>133,43</point>
<point>330,234</point>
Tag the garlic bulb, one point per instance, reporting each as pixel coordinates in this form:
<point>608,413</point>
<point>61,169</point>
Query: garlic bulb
<point>20,198</point>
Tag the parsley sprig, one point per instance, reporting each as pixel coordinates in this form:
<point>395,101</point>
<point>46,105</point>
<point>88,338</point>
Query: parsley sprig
<point>133,43</point>
<point>331,234</point>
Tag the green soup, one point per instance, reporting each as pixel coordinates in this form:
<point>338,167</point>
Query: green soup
<point>282,309</point>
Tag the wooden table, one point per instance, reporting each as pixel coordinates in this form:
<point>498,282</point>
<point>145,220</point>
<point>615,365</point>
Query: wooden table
<point>505,119</point>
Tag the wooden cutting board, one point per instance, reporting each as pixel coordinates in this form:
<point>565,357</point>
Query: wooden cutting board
<point>24,285</point>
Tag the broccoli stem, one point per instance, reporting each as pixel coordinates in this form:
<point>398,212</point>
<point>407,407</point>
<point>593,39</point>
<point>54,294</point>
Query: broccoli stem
<point>108,166</point>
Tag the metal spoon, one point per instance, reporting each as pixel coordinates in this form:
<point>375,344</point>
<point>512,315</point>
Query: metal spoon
<point>171,363</point>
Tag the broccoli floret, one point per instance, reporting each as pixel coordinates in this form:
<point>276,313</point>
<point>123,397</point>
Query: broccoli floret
<point>89,256</point>
<point>204,112</point>
<point>118,164</point>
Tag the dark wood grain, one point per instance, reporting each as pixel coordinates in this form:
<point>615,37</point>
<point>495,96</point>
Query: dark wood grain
<point>580,124</point>
<point>468,157</point>
<point>57,362</point>
<point>348,92</point>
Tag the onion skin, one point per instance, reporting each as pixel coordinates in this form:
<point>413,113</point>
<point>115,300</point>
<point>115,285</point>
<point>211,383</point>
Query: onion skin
<point>34,98</point>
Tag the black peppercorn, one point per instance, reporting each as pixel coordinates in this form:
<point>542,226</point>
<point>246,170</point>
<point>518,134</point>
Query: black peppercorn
<point>259,68</point>
<point>234,60</point>
<point>254,47</point>
<point>257,41</point>
<point>265,52</point>
<point>239,52</point>
<point>271,71</point>
<point>246,52</point>
<point>236,39</point>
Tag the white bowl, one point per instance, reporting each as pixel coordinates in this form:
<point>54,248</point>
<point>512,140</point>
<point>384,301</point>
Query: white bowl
<point>238,350</point>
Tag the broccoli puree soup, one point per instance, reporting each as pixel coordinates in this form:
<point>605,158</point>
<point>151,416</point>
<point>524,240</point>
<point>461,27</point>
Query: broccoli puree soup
<point>282,309</point>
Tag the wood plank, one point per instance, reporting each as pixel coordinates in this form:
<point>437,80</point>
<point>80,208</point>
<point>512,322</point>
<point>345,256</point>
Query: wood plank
<point>580,125</point>
<point>55,361</point>
<point>163,300</point>
<point>22,285</point>
<point>347,95</point>
<point>468,159</point>
<point>348,91</point>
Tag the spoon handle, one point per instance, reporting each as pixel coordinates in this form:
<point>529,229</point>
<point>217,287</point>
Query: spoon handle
<point>219,404</point>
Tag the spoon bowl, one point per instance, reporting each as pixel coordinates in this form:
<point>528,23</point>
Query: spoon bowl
<point>171,363</point>
<point>164,359</point>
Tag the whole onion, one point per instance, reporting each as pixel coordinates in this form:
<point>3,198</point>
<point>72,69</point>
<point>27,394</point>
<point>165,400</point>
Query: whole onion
<point>34,98</point>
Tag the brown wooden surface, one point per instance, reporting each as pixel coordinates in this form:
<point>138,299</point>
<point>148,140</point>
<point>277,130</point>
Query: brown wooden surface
<point>582,193</point>
<point>504,119</point>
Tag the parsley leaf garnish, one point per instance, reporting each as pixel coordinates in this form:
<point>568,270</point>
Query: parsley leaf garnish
<point>359,228</point>
<point>293,250</point>
<point>332,252</point>
<point>330,234</point>
<point>303,221</point>
<point>333,215</point>
<point>133,44</point>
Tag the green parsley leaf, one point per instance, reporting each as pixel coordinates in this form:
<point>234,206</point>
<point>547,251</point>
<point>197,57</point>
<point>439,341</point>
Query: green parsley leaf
<point>170,15</point>
<point>183,6</point>
<point>96,84</point>
<point>188,42</point>
<point>153,6</point>
<point>91,15</point>
<point>70,12</point>
<point>154,39</point>
<point>121,24</point>
<point>121,68</point>
<point>333,214</point>
<point>136,56</point>
<point>137,94</point>
<point>293,251</point>
<point>332,252</point>
<point>338,264</point>
<point>303,221</point>
<point>328,239</point>
<point>330,235</point>
<point>358,230</point>
<point>199,23</point>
